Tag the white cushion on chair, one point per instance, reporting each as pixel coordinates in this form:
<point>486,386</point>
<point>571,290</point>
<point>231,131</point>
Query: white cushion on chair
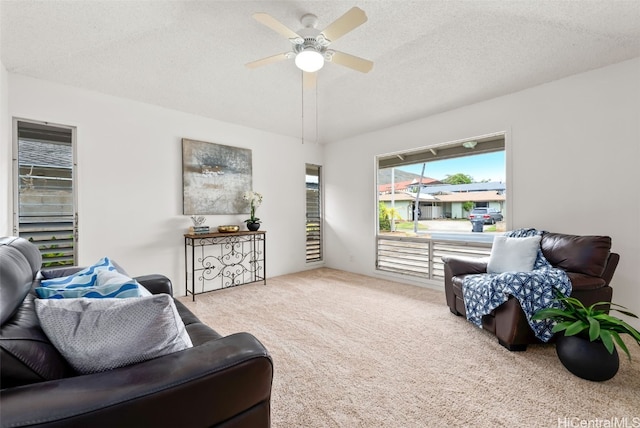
<point>513,254</point>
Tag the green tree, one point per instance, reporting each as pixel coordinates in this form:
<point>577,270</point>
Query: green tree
<point>467,206</point>
<point>458,178</point>
<point>385,215</point>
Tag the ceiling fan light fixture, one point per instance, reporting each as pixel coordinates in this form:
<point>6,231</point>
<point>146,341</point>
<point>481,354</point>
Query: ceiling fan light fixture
<point>309,60</point>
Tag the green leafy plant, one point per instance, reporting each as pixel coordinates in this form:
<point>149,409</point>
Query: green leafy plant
<point>591,322</point>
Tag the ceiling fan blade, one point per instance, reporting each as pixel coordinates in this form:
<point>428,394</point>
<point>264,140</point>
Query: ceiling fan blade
<point>352,61</point>
<point>309,80</point>
<point>275,25</point>
<point>352,19</point>
<point>268,60</point>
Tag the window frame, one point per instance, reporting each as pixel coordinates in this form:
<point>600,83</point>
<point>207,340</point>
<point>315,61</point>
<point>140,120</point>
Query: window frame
<point>314,216</point>
<point>56,250</point>
<point>421,256</point>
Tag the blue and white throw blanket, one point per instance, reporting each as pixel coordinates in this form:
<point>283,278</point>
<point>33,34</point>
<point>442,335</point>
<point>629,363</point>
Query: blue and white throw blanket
<point>534,290</point>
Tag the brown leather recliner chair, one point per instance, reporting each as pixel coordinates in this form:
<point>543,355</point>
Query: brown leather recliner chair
<point>588,261</point>
<point>220,381</point>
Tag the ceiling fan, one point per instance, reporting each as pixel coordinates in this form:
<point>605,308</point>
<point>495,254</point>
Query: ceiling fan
<point>310,46</point>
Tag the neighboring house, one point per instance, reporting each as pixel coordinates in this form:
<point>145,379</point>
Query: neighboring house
<point>447,200</point>
<point>452,203</point>
<point>453,196</point>
<point>406,185</point>
<point>404,202</point>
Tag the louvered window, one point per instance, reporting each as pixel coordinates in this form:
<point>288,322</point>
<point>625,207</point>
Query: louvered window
<point>44,207</point>
<point>314,213</point>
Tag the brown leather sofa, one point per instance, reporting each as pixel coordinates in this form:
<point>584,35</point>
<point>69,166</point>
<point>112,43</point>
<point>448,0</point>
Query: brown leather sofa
<point>220,381</point>
<point>588,261</point>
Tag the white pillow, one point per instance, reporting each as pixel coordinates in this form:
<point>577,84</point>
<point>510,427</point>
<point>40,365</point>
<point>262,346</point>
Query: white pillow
<point>513,254</point>
<point>95,335</point>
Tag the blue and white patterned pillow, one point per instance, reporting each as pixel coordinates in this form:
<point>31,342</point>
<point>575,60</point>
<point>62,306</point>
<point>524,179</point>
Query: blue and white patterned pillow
<point>108,284</point>
<point>108,278</point>
<point>85,278</point>
<point>98,281</point>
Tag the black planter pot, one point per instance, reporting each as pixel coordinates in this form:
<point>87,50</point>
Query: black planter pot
<point>253,226</point>
<point>586,359</point>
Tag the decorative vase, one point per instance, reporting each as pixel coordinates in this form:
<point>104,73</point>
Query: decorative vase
<point>586,359</point>
<point>253,226</point>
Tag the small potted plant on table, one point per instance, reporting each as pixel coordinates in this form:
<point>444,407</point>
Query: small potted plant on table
<point>255,199</point>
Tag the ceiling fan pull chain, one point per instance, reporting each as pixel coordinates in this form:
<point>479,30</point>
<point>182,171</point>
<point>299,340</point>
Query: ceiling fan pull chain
<point>316,111</point>
<point>302,104</point>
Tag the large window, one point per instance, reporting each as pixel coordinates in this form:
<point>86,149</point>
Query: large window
<point>313,213</point>
<point>426,196</point>
<point>44,196</point>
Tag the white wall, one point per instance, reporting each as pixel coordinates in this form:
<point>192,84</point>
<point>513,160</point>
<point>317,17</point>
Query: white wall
<point>5,148</point>
<point>577,138</point>
<point>130,177</point>
<point>5,155</point>
<point>573,148</point>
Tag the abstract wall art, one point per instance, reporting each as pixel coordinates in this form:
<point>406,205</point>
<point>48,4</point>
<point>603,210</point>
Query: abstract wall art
<point>214,177</point>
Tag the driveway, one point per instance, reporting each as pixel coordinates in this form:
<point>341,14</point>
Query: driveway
<point>447,225</point>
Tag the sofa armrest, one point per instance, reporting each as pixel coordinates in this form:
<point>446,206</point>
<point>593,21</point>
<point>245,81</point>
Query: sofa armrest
<point>458,265</point>
<point>156,283</point>
<point>224,379</point>
<point>610,267</point>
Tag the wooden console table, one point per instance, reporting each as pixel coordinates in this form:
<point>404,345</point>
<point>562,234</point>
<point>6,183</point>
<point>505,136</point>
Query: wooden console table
<point>222,260</point>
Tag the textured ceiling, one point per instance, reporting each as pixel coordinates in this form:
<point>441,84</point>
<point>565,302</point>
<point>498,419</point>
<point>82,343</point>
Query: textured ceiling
<point>429,56</point>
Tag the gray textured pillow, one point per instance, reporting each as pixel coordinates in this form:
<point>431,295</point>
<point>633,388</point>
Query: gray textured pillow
<point>513,254</point>
<point>95,335</point>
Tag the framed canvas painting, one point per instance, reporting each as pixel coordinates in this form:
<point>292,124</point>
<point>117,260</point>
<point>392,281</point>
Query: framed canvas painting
<point>214,177</point>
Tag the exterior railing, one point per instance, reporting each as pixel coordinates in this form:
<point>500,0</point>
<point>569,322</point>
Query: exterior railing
<point>422,257</point>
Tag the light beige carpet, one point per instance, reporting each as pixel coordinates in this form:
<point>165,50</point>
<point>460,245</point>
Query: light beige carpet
<point>356,351</point>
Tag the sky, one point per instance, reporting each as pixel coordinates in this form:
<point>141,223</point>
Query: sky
<point>488,166</point>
